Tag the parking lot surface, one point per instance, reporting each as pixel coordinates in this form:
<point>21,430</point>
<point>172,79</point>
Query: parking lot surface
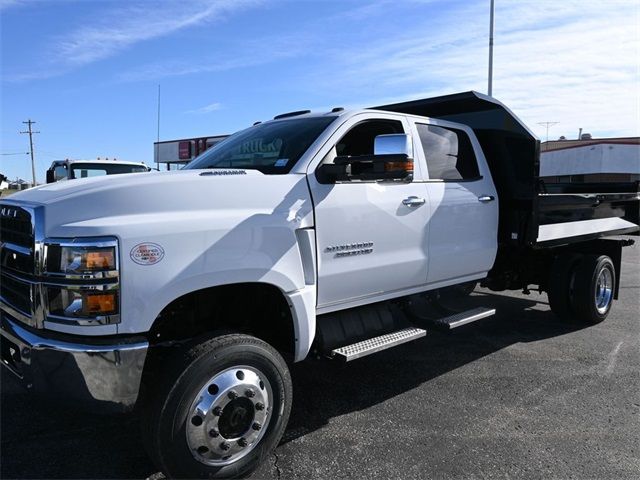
<point>518,395</point>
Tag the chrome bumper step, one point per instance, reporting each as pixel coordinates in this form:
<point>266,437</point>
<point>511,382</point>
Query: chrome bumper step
<point>462,318</point>
<point>376,344</point>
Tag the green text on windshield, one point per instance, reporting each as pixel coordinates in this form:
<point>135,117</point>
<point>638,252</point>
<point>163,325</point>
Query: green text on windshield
<point>272,148</point>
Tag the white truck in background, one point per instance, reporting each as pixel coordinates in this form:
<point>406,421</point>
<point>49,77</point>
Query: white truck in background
<point>329,233</point>
<point>73,169</point>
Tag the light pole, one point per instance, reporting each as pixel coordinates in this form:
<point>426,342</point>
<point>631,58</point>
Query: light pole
<point>490,89</point>
<point>157,152</point>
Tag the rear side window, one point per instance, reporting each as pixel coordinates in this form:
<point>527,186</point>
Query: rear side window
<point>448,152</point>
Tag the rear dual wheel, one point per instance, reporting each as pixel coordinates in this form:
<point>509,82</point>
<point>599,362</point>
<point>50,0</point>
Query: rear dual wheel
<point>581,287</point>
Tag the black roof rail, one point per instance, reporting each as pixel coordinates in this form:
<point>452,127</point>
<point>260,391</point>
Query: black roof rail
<point>291,114</point>
<point>337,109</point>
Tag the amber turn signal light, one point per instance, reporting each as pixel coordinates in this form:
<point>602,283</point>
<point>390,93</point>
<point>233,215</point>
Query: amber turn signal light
<point>398,166</point>
<point>101,304</point>
<point>100,260</point>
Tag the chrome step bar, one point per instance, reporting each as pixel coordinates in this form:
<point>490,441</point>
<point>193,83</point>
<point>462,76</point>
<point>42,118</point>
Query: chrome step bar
<point>376,344</point>
<point>462,318</point>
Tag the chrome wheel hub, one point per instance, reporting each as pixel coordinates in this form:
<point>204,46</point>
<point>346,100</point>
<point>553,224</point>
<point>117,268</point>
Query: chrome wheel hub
<point>228,417</point>
<point>604,290</point>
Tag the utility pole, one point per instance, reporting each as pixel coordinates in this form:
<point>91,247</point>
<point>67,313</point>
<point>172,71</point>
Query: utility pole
<point>33,163</point>
<point>548,124</point>
<point>490,89</point>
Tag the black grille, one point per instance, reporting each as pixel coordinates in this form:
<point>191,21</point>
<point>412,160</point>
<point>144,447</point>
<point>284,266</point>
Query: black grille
<point>16,293</point>
<point>16,261</point>
<point>15,226</point>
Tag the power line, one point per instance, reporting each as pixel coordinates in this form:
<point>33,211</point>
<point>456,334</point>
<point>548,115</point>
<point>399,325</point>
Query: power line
<point>33,163</point>
<point>548,124</point>
<point>17,153</point>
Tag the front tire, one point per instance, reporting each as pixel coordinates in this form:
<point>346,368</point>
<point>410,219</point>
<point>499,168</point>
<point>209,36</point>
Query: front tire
<point>221,408</point>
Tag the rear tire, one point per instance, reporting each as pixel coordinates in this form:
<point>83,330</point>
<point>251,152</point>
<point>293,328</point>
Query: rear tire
<point>220,408</point>
<point>593,289</point>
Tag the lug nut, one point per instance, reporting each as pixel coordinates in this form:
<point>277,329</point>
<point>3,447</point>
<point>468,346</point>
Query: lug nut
<point>259,406</point>
<point>225,446</point>
<point>243,442</point>
<point>217,411</point>
<point>256,426</point>
<point>250,393</point>
<point>232,395</point>
<point>213,433</point>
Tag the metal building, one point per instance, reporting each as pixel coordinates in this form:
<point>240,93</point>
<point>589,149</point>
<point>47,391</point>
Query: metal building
<point>591,160</point>
<point>180,152</point>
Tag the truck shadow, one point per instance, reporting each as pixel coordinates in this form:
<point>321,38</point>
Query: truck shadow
<point>324,390</point>
<point>40,440</point>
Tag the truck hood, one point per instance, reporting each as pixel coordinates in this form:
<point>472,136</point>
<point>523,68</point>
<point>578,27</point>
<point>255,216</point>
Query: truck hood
<point>101,204</point>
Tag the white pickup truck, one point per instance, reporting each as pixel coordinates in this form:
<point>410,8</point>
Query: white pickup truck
<point>329,234</point>
<point>72,169</point>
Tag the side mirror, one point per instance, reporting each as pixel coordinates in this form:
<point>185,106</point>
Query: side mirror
<point>50,176</point>
<point>393,144</point>
<point>392,161</point>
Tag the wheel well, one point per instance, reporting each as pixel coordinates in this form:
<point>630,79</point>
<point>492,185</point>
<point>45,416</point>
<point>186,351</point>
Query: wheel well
<point>256,309</point>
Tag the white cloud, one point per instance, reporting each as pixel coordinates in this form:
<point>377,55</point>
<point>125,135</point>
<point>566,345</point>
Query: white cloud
<point>572,62</point>
<point>123,27</point>
<point>212,107</point>
<point>10,3</point>
<point>134,24</point>
<point>252,53</point>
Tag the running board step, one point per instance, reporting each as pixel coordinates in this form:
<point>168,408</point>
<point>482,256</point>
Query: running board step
<point>376,344</point>
<point>462,318</point>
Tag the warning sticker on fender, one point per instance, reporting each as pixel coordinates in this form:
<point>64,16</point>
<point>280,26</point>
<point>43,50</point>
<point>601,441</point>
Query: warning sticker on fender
<point>147,253</point>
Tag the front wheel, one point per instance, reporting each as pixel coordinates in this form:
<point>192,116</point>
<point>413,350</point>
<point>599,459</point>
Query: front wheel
<point>222,408</point>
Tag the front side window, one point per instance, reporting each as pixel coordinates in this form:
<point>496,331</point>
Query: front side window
<point>360,139</point>
<point>60,172</point>
<point>272,148</point>
<point>448,152</point>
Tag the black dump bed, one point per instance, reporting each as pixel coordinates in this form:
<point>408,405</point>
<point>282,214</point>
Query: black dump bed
<point>531,213</point>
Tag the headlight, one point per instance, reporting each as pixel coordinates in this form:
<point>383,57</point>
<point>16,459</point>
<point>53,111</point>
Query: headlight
<point>82,281</point>
<point>83,259</point>
<point>64,302</point>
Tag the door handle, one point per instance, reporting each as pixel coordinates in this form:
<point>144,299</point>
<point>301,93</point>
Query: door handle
<point>413,201</point>
<point>486,198</point>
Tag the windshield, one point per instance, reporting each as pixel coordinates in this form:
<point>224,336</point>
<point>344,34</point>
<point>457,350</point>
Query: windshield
<point>272,148</point>
<point>85,170</point>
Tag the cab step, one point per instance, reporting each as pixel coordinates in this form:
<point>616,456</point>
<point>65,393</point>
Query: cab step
<point>376,344</point>
<point>462,318</point>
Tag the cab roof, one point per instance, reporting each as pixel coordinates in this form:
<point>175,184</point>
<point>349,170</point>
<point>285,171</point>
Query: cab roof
<point>100,162</point>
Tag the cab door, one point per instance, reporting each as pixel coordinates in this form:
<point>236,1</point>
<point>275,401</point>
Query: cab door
<point>463,203</point>
<point>371,235</point>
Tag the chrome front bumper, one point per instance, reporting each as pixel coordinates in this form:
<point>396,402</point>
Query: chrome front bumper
<point>82,371</point>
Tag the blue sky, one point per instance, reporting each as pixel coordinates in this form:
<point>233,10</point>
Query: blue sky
<point>87,71</point>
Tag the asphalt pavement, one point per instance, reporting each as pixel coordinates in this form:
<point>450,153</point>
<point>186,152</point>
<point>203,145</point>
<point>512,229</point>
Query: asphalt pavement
<point>518,395</point>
